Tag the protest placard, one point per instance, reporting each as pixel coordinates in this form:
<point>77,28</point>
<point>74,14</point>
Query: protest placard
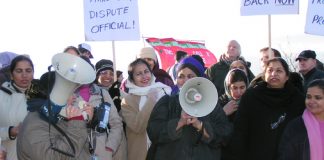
<point>268,7</point>
<point>106,20</point>
<point>315,17</point>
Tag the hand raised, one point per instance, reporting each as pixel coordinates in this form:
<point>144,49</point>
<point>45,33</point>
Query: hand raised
<point>230,107</point>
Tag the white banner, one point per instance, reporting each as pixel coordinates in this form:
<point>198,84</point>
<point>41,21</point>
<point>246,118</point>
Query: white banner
<point>315,17</point>
<point>268,7</point>
<point>108,20</point>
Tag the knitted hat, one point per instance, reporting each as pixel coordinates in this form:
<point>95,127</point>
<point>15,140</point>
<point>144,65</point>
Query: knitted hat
<point>193,64</point>
<point>147,52</point>
<point>104,64</point>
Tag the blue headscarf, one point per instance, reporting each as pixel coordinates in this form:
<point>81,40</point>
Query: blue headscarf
<point>192,64</point>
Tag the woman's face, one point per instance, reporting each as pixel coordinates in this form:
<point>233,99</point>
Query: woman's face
<point>106,78</point>
<point>237,89</point>
<point>23,74</point>
<point>151,62</point>
<point>315,102</point>
<point>184,75</point>
<point>142,75</point>
<point>275,75</point>
<point>238,65</point>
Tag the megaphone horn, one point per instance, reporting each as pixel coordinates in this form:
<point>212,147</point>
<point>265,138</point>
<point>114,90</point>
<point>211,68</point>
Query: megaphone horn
<point>198,97</point>
<point>70,72</point>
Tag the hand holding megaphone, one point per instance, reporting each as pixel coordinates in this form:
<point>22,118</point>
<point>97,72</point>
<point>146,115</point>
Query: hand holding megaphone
<point>187,119</point>
<point>86,111</point>
<point>3,153</point>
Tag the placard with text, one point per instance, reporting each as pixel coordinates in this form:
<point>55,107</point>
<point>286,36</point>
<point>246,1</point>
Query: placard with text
<point>268,7</point>
<point>106,20</point>
<point>315,17</point>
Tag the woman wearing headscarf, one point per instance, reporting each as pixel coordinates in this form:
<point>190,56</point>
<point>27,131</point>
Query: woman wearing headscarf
<point>175,134</point>
<point>235,85</point>
<point>137,106</point>
<point>242,64</point>
<point>263,114</point>
<point>303,138</point>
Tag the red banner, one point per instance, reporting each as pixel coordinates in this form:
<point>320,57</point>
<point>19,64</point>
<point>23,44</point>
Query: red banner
<point>167,48</point>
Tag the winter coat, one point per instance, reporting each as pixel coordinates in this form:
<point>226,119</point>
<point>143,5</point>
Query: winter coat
<point>217,73</point>
<point>34,140</point>
<point>13,109</point>
<point>262,116</point>
<point>187,143</point>
<point>115,135</point>
<point>312,75</point>
<point>136,122</point>
<point>162,76</point>
<point>294,144</point>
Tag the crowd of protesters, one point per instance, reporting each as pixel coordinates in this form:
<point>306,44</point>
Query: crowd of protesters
<point>277,114</point>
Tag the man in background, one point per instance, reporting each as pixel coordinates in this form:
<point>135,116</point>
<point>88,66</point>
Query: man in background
<point>217,72</point>
<point>267,55</point>
<point>307,67</point>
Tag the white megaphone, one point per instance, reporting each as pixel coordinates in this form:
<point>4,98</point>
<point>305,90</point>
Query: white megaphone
<point>70,72</point>
<point>198,97</point>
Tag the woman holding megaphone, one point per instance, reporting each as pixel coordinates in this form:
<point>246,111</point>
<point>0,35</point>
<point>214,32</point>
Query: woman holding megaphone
<point>176,133</point>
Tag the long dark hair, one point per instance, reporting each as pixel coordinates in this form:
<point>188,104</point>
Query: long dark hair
<point>18,59</point>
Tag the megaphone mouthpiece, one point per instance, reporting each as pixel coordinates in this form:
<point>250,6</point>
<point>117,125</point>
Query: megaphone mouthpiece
<point>193,96</point>
<point>198,97</point>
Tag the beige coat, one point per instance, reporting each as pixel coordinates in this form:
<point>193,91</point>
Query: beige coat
<point>33,139</point>
<point>116,135</point>
<point>136,123</point>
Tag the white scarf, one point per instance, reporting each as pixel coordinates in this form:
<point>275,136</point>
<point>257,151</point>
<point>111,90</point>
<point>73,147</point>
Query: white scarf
<point>143,91</point>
